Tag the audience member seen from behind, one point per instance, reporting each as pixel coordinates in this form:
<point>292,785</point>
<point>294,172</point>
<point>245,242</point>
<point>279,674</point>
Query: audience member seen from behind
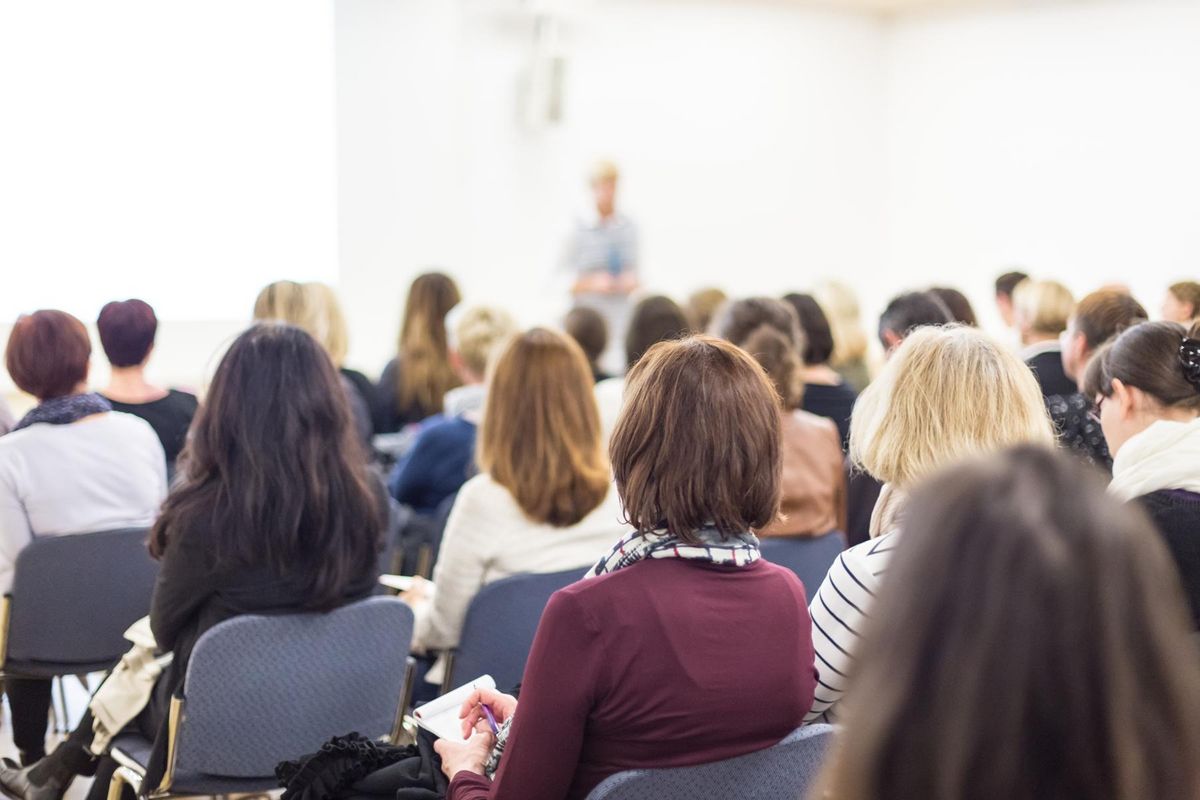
<point>313,308</point>
<point>1147,387</point>
<point>442,456</point>
<point>71,465</point>
<point>127,329</point>
<point>587,327</point>
<point>1045,653</point>
<point>663,656</point>
<point>826,392</point>
<point>1041,310</point>
<point>850,340</point>
<point>1005,284</point>
<point>813,483</point>
<point>1098,317</point>
<point>946,394</point>
<point>702,305</point>
<point>333,334</point>
<point>414,383</point>
<point>907,312</point>
<point>958,305</point>
<point>1182,303</point>
<point>543,501</point>
<point>269,517</point>
<point>655,319</point>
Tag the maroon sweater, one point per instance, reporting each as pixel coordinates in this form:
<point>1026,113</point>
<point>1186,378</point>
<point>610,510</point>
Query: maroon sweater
<point>664,663</point>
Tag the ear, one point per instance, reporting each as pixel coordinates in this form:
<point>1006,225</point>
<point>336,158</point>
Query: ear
<point>891,339</point>
<point>1124,399</point>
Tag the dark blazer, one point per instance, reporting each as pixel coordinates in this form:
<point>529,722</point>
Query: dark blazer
<point>1176,514</point>
<point>1048,369</point>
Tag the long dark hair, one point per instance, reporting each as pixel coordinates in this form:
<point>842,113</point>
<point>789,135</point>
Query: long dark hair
<point>273,472</point>
<point>1031,640</point>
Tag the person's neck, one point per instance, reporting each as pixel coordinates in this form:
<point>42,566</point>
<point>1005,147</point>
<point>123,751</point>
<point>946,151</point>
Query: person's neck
<point>128,385</point>
<point>1031,338</point>
<point>820,375</point>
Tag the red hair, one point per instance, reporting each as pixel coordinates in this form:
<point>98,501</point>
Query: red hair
<point>47,354</point>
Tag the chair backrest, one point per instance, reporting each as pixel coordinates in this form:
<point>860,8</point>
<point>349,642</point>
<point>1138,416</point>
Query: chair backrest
<point>263,689</point>
<point>500,623</point>
<point>783,771</point>
<point>74,596</point>
<point>810,557</point>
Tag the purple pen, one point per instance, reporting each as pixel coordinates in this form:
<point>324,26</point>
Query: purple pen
<point>491,719</point>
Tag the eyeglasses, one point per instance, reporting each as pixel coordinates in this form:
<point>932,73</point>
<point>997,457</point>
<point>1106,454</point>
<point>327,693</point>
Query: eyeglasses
<point>1094,414</point>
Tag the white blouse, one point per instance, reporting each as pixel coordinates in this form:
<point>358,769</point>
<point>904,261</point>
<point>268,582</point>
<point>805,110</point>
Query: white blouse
<point>101,473</point>
<point>489,537</point>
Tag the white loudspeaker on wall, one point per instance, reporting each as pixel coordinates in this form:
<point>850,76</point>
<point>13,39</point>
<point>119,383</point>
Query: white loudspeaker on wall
<point>541,93</point>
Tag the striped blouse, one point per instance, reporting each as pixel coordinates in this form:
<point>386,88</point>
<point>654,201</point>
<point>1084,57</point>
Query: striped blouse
<point>839,612</point>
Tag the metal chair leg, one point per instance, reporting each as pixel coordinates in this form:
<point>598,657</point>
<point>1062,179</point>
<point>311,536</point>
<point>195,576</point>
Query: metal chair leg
<point>65,722</point>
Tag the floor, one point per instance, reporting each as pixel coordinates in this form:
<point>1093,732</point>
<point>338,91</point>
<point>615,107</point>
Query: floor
<point>77,699</point>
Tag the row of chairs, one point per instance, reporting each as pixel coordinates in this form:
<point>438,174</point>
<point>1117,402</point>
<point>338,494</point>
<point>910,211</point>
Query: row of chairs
<point>263,689</point>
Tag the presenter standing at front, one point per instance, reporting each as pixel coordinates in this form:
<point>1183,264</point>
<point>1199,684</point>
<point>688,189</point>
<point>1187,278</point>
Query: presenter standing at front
<point>602,256</point>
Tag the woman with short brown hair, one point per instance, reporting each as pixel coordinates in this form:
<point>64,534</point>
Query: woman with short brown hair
<point>544,500</point>
<point>682,646</point>
<point>71,466</point>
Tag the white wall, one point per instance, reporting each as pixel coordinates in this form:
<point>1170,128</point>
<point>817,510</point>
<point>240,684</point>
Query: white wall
<point>765,145</point>
<point>1062,137</point>
<point>749,135</point>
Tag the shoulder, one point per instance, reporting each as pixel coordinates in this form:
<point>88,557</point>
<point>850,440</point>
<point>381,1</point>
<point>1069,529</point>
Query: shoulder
<point>481,493</point>
<point>183,400</point>
<point>119,423</point>
<point>867,562</point>
<point>814,424</point>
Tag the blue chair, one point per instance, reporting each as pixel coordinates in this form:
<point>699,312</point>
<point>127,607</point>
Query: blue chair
<point>263,689</point>
<point>72,599</point>
<point>809,557</point>
<point>499,627</point>
<point>783,771</point>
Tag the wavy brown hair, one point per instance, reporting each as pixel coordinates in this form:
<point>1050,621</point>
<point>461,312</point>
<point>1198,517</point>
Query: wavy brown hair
<point>273,473</point>
<point>540,435</point>
<point>425,374</point>
<point>1031,641</point>
<point>698,443</point>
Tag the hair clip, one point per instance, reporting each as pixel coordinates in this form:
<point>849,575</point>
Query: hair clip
<point>1189,359</point>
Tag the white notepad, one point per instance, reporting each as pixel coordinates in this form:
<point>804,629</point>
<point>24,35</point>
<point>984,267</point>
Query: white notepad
<point>440,716</point>
<point>401,583</point>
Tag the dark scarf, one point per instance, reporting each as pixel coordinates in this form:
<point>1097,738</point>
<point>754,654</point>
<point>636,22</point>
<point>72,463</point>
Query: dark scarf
<point>65,410</point>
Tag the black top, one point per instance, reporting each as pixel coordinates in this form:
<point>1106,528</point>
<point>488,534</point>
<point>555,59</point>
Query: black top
<point>1048,369</point>
<point>1078,429</point>
<point>389,418</point>
<point>1176,513</point>
<point>170,416</point>
<point>835,402</point>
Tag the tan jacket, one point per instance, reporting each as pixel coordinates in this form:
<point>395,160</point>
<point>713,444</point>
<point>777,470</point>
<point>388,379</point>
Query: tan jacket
<point>814,478</point>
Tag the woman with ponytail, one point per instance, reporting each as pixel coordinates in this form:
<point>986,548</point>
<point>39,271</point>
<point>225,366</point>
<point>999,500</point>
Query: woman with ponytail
<point>1147,388</point>
<point>814,480</point>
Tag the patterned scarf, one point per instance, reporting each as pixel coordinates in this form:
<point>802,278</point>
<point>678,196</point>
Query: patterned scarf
<point>739,550</point>
<point>65,410</point>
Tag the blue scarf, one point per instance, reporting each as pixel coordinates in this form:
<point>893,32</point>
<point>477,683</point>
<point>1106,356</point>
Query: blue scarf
<point>65,410</point>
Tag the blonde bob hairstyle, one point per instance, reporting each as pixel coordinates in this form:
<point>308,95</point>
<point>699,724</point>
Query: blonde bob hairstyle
<point>476,332</point>
<point>312,307</point>
<point>540,435</point>
<point>946,394</point>
<point>1042,306</point>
